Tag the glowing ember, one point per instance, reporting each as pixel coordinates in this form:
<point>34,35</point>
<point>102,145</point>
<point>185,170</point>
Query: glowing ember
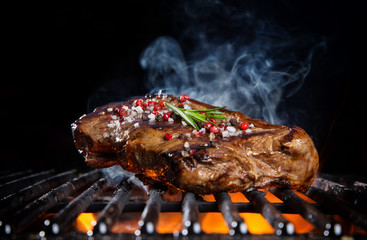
<point>213,222</point>
<point>85,222</point>
<point>304,197</point>
<point>238,197</point>
<point>300,224</point>
<point>169,222</point>
<point>271,197</point>
<point>257,224</point>
<point>128,223</point>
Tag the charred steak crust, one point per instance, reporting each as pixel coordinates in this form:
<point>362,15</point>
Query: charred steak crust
<point>232,160</point>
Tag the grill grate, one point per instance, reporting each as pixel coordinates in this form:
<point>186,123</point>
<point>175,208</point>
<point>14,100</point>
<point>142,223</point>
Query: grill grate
<point>58,199</point>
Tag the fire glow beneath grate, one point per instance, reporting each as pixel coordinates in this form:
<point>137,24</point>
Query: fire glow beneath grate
<point>51,206</point>
<point>211,222</point>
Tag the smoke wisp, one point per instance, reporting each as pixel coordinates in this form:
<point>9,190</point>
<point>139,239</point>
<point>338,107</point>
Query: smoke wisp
<point>251,71</point>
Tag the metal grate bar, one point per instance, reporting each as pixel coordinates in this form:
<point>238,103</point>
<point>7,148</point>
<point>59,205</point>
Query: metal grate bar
<point>308,212</point>
<point>114,208</point>
<point>68,214</point>
<point>13,176</point>
<point>17,184</point>
<point>190,215</point>
<point>29,213</point>
<point>270,213</point>
<point>332,202</point>
<point>17,199</point>
<point>229,211</point>
<point>150,214</point>
<point>57,192</point>
<point>356,198</point>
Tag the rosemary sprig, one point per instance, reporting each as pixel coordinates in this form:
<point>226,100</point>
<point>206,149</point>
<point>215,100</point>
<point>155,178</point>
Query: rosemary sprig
<point>194,116</point>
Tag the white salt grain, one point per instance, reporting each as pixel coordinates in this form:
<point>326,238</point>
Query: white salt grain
<point>225,134</point>
<point>231,129</point>
<point>185,154</point>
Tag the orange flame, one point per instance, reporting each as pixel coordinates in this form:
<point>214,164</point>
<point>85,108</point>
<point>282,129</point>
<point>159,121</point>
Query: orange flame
<point>212,222</point>
<point>169,222</point>
<point>85,222</point>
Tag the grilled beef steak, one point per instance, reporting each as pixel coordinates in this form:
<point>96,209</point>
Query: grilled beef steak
<point>139,136</point>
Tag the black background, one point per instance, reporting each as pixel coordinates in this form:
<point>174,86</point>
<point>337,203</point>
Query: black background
<point>56,57</point>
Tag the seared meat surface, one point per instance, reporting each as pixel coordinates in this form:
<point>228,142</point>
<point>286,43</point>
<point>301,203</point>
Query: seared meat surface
<point>137,135</point>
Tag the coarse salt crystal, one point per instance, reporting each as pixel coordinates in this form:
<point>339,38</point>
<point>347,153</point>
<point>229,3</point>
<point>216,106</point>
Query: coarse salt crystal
<point>203,130</point>
<point>225,134</point>
<point>184,123</point>
<point>151,117</point>
<point>188,135</point>
<point>211,136</point>
<point>139,109</point>
<point>251,125</point>
<point>187,107</point>
<point>171,120</point>
<point>105,134</point>
<point>114,117</point>
<point>133,113</point>
<point>129,119</point>
<point>111,125</point>
<point>185,154</point>
<point>248,130</point>
<point>186,145</point>
<point>231,129</point>
<point>136,125</point>
<point>109,109</point>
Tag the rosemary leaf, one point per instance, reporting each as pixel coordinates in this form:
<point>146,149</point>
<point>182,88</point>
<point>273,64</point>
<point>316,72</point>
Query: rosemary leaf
<point>206,110</point>
<point>216,117</point>
<point>187,118</point>
<point>192,116</point>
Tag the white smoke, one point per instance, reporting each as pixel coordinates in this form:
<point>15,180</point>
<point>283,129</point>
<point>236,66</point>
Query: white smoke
<point>248,74</point>
<point>116,174</point>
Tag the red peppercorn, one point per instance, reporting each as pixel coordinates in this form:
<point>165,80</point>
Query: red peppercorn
<point>184,97</point>
<point>204,113</point>
<point>192,151</point>
<point>223,126</point>
<point>139,102</point>
<point>155,112</point>
<point>244,125</point>
<point>214,129</point>
<point>166,116</point>
<point>213,120</point>
<point>208,125</point>
<point>163,102</point>
<point>198,133</point>
<point>168,136</point>
<point>157,107</point>
<point>121,111</point>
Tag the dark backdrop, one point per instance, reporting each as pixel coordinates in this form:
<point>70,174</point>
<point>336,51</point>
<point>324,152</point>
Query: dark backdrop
<point>56,58</point>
